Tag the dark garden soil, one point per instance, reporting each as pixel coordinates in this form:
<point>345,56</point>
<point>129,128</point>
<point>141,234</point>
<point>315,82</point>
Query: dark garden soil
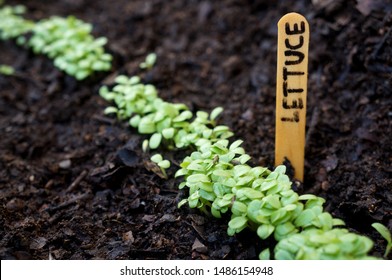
<point>75,184</point>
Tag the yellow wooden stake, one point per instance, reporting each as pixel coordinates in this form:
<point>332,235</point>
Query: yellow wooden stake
<point>291,91</point>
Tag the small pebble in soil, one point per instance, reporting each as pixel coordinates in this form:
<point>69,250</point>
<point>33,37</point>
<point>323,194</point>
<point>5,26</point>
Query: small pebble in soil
<point>128,237</point>
<point>65,164</point>
<point>38,243</point>
<point>15,204</point>
<point>330,163</point>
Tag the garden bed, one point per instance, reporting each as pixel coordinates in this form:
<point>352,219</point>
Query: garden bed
<point>75,183</point>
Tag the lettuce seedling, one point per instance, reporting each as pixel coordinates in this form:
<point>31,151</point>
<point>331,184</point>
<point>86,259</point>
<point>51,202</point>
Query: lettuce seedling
<point>149,62</point>
<point>383,230</point>
<point>6,70</point>
<point>162,163</point>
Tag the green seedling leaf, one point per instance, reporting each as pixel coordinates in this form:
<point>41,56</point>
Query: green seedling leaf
<point>292,244</point>
<point>110,110</point>
<point>216,213</point>
<point>168,133</point>
<point>215,113</point>
<point>238,223</point>
<point>185,115</point>
<point>285,229</point>
<point>134,121</point>
<point>283,255</point>
<point>134,80</point>
<point>205,186</point>
<point>221,129</point>
<point>6,70</point>
<point>196,178</point>
<point>193,203</point>
<point>223,202</point>
<point>244,158</point>
<point>279,215</point>
<point>383,230</point>
<point>266,185</point>
<point>149,61</point>
<point>265,255</point>
<point>238,151</point>
<point>122,79</point>
<point>281,169</point>
<point>331,249</point>
<point>249,193</point>
<point>155,140</point>
<point>235,144</point>
<point>258,171</point>
<point>241,170</point>
<point>145,145</point>
<point>338,222</point>
<point>222,173</point>
<point>305,218</point>
<point>157,158</point>
<point>207,195</point>
<point>273,201</point>
<point>246,180</point>
<point>230,231</point>
<point>290,207</point>
<point>194,166</point>
<point>164,164</point>
<point>326,221</point>
<point>146,126</point>
<point>264,231</point>
<point>105,93</point>
<point>307,197</point>
<point>182,185</point>
<point>181,172</point>
<point>238,208</point>
<point>182,202</point>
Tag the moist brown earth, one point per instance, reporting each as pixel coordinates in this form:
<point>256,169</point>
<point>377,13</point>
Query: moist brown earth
<point>75,183</point>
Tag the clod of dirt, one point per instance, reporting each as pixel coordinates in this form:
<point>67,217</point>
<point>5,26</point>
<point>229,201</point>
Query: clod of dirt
<point>127,157</point>
<point>199,247</point>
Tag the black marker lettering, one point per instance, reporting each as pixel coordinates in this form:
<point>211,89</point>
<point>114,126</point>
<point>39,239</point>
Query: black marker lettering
<point>287,73</point>
<point>295,105</point>
<point>294,47</point>
<point>300,56</point>
<point>295,29</point>
<point>295,118</point>
<point>290,90</point>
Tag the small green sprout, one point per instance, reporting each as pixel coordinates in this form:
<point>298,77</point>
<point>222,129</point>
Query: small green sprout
<point>162,163</point>
<point>383,230</point>
<point>149,62</point>
<point>6,70</point>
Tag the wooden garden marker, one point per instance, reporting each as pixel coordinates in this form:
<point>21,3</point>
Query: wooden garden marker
<point>291,91</point>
